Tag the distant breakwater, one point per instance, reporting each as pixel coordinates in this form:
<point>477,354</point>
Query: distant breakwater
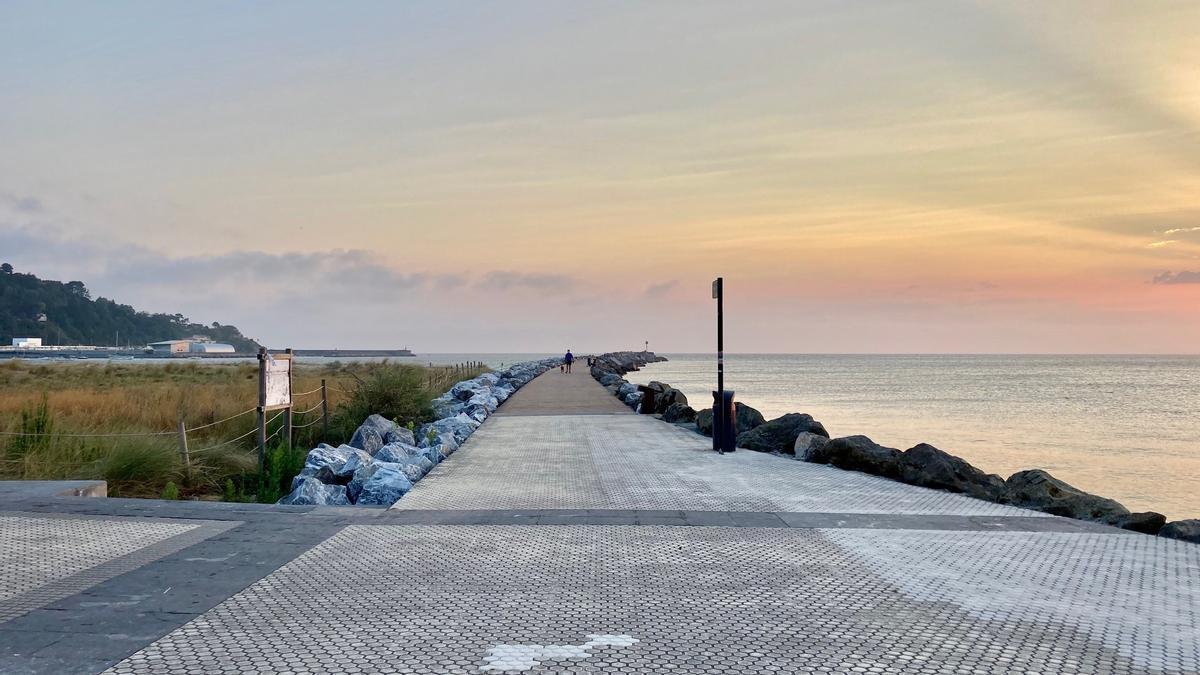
<point>800,436</point>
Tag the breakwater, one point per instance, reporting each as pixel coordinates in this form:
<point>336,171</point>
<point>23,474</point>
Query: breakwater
<point>383,460</point>
<point>800,436</point>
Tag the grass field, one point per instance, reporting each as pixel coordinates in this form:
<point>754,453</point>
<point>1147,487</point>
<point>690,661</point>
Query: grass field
<point>119,422</point>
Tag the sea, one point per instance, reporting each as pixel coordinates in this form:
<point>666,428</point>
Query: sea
<point>1125,427</point>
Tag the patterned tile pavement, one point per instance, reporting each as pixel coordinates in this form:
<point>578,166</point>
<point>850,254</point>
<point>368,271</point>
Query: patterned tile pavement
<point>46,558</point>
<point>645,599</point>
<point>637,462</point>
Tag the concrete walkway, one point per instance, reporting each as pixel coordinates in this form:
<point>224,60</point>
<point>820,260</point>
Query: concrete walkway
<point>569,536</point>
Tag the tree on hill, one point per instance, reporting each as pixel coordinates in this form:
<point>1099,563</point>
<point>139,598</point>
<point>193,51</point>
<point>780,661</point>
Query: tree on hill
<point>65,314</point>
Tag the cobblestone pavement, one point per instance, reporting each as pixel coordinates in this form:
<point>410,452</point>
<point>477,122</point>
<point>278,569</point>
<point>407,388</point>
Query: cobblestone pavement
<point>594,543</point>
<point>637,462</point>
<point>629,599</point>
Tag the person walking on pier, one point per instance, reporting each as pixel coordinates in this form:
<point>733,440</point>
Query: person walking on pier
<point>568,359</point>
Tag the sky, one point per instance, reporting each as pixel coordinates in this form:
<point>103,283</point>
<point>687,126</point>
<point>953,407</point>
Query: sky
<point>530,176</point>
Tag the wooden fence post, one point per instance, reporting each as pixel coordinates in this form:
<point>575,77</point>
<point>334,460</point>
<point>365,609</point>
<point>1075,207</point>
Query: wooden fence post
<point>287,412</point>
<point>324,412</point>
<point>262,409</point>
<point>183,449</point>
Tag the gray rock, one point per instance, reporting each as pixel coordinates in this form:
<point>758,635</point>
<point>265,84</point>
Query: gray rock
<point>679,412</point>
<point>347,469</point>
<point>381,424</point>
<point>704,421</point>
<point>484,400</point>
<point>447,406</point>
<point>632,400</point>
<point>399,435</point>
<point>779,434</point>
<point>811,447</point>
<point>927,466</point>
<point>323,474</point>
<point>386,485</point>
<point>397,452</point>
<point>312,492</point>
<point>328,456</point>
<point>609,379</point>
<point>748,418</point>
<point>859,453</point>
<point>1183,530</point>
<point>1038,490</point>
<point>367,438</point>
<point>1146,522</point>
<point>626,389</point>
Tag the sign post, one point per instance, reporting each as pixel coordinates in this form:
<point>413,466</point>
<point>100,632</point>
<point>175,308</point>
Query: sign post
<point>274,392</point>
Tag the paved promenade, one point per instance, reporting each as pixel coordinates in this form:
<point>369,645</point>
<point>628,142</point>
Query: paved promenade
<point>569,535</point>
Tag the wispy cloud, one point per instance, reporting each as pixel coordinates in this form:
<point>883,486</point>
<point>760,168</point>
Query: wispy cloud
<point>660,289</point>
<point>1160,244</point>
<point>1181,277</point>
<point>503,280</point>
<point>1180,230</point>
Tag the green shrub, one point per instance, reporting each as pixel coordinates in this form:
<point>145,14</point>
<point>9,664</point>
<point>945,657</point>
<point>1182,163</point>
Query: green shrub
<point>282,465</point>
<point>171,491</point>
<point>398,392</point>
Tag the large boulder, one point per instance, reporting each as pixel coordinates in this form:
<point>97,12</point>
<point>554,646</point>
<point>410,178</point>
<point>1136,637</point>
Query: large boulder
<point>367,438</point>
<point>460,427</point>
<point>1146,522</point>
<point>779,434</point>
<point>1035,489</point>
<point>704,421</point>
<point>927,466</point>
<point>397,452</point>
<point>810,447</point>
<point>609,378</point>
<point>347,469</point>
<point>381,424</point>
<point>312,492</point>
<point>748,418</point>
<point>859,453</point>
<point>325,455</point>
<point>1183,530</point>
<point>632,400</point>
<point>679,412</point>
<point>399,435</point>
<point>386,485</point>
<point>323,474</point>
<point>626,389</point>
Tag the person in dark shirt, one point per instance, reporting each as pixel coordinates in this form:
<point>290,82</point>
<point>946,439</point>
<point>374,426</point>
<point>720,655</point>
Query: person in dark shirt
<point>568,360</point>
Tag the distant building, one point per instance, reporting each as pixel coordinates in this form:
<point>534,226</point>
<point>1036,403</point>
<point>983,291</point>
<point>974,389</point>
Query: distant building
<point>172,347</point>
<point>26,343</point>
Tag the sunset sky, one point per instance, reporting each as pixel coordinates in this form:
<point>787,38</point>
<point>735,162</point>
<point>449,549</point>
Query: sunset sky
<point>531,176</point>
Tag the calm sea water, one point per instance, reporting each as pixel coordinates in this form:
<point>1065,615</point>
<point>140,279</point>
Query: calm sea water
<point>1126,427</point>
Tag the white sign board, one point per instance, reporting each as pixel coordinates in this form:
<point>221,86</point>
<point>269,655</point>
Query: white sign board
<point>279,382</point>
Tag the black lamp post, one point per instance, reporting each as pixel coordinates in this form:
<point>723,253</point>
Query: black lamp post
<point>724,420</point>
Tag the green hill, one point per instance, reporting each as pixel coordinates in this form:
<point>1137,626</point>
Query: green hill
<point>65,314</point>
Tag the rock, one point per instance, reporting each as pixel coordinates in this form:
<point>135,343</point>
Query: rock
<point>367,438</point>
<point>811,447</point>
<point>632,400</point>
<point>484,400</point>
<point>381,424</point>
<point>447,406</point>
<point>679,412</point>
<point>609,378</point>
<point>460,427</point>
<point>927,466</point>
<point>323,474</point>
<point>748,418</point>
<point>310,491</point>
<point>397,452</point>
<point>356,459</point>
<point>859,453</point>
<point>1038,490</point>
<point>626,389</point>
<point>399,435</point>
<point>443,439</point>
<point>704,421</point>
<point>1146,522</point>
<point>387,484</point>
<point>779,434</point>
<point>328,456</point>
<point>466,389</point>
<point>1183,530</point>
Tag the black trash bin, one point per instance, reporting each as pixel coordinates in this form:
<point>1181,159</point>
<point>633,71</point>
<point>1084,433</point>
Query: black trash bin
<point>647,399</point>
<point>724,422</point>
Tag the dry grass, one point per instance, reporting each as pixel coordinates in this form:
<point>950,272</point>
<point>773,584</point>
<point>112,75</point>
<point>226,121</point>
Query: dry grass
<point>137,398</point>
